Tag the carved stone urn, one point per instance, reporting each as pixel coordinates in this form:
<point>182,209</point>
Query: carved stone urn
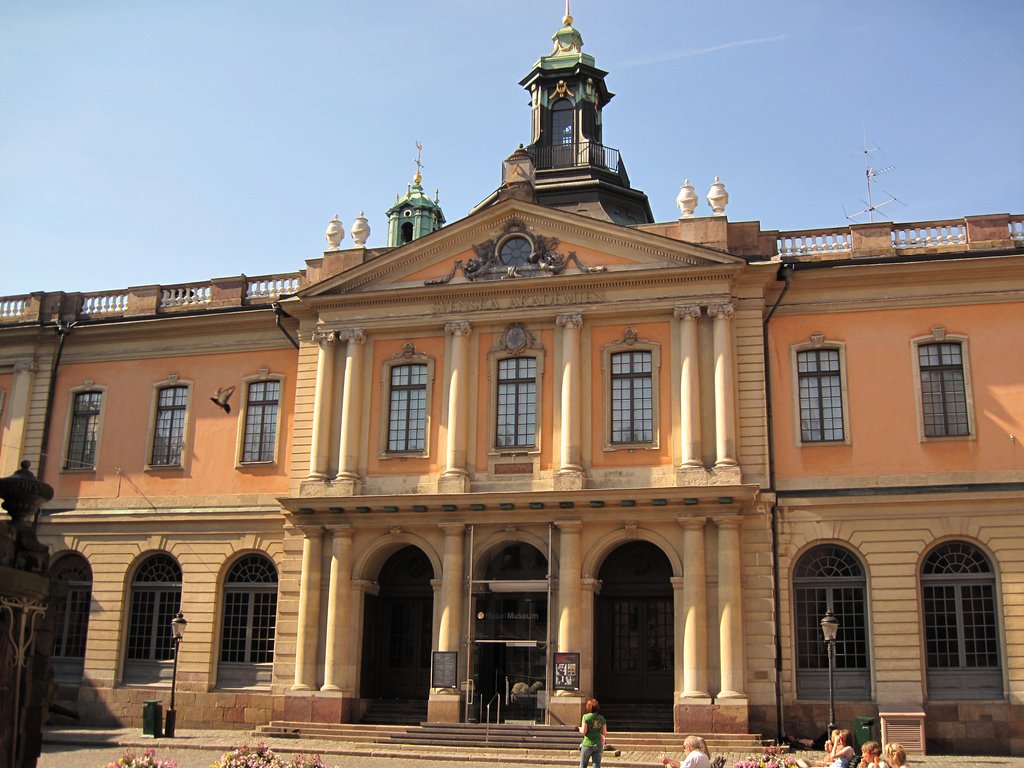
<point>360,229</point>
<point>718,198</point>
<point>687,199</point>
<point>335,232</point>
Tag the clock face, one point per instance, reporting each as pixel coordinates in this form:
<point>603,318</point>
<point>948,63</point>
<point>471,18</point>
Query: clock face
<point>515,251</point>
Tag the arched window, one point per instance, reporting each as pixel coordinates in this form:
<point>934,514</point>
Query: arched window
<point>961,630</point>
<point>829,576</point>
<point>249,623</point>
<point>155,599</point>
<point>71,618</point>
<point>562,133</point>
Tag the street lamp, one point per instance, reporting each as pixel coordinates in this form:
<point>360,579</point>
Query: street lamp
<point>178,625</point>
<point>829,629</point>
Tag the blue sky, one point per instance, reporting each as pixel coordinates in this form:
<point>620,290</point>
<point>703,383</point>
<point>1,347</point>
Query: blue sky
<point>147,142</point>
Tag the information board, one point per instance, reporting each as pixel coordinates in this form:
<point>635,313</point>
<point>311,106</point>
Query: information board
<point>567,672</point>
<point>444,669</point>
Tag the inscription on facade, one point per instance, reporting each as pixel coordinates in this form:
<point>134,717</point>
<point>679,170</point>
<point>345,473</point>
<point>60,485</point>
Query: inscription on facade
<point>557,299</point>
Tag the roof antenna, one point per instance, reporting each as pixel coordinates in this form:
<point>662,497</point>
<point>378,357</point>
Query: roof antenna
<point>869,175</point>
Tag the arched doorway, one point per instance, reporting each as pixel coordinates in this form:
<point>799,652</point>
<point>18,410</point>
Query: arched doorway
<point>397,627</point>
<point>633,633</point>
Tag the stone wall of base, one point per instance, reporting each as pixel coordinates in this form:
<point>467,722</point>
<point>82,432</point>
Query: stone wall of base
<point>809,719</point>
<point>974,728</point>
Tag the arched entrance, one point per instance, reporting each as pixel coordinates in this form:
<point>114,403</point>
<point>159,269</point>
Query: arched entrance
<point>397,628</point>
<point>633,633</point>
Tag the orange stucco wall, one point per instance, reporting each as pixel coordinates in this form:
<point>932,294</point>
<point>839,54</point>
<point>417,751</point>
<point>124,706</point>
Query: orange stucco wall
<point>211,434</point>
<point>882,394</point>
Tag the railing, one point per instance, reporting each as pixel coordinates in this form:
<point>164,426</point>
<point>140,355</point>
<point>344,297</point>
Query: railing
<point>185,295</point>
<point>576,155</point>
<point>487,717</point>
<point>13,308</point>
<point>271,287</point>
<point>819,241</point>
<point>929,234</point>
<point>104,304</point>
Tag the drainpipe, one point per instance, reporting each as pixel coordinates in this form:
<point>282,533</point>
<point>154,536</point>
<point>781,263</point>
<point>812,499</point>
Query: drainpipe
<point>785,274</point>
<point>62,329</point>
<point>278,314</point>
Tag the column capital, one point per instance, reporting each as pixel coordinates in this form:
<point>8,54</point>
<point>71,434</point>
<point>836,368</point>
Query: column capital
<point>452,529</point>
<point>722,311</point>
<point>692,521</point>
<point>457,327</point>
<point>324,336</point>
<point>24,366</point>
<point>569,526</point>
<point>341,530</point>
<point>687,312</point>
<point>356,335</point>
<point>311,531</point>
<point>569,320</point>
<point>733,521</point>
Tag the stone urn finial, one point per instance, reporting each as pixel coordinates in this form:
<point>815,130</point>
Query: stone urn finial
<point>360,229</point>
<point>718,198</point>
<point>335,232</point>
<point>686,199</point>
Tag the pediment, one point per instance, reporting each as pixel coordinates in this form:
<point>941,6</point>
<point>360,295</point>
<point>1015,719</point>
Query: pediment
<point>519,241</point>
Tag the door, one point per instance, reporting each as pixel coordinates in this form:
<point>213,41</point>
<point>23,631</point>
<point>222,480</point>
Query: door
<point>512,673</point>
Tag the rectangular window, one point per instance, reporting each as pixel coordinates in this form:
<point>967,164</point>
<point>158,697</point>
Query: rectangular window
<point>821,396</point>
<point>169,429</point>
<point>943,394</point>
<point>517,403</point>
<point>407,411</point>
<point>632,397</point>
<point>261,409</point>
<point>85,420</point>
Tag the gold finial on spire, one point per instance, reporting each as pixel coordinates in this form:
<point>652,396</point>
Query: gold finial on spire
<point>567,21</point>
<point>419,166</point>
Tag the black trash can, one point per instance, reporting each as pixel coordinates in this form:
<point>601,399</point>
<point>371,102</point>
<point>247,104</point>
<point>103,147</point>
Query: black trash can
<point>864,730</point>
<point>153,718</point>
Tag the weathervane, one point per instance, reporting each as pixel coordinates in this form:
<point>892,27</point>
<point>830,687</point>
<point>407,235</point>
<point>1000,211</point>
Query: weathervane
<point>869,175</point>
<point>419,165</point>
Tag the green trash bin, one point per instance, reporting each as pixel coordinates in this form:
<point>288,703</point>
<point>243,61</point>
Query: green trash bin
<point>864,730</point>
<point>153,718</point>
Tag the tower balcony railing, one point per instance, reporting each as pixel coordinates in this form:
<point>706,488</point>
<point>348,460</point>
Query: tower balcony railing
<point>580,154</point>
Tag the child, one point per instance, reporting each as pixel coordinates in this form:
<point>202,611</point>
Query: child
<point>838,752</point>
<point>871,755</point>
<point>895,755</point>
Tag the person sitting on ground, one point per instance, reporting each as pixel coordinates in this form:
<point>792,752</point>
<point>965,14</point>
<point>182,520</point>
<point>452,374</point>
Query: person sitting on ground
<point>838,752</point>
<point>895,755</point>
<point>871,755</point>
<point>696,755</point>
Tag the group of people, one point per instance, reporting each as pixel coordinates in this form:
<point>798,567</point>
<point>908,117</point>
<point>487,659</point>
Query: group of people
<point>839,751</point>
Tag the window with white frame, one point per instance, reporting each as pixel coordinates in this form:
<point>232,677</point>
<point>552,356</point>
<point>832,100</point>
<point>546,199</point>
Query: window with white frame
<point>516,425</point>
<point>85,424</point>
<point>169,426</point>
<point>407,408</point>
<point>943,389</point>
<point>821,395</point>
<point>830,576</point>
<point>961,623</point>
<point>154,601</point>
<point>262,408</point>
<point>632,406</point>
<point>71,617</point>
<point>249,623</point>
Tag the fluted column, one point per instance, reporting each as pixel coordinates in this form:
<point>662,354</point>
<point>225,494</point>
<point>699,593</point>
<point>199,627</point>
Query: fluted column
<point>339,601</point>
<point>319,457</point>
<point>351,410</point>
<point>570,471</point>
<point>455,472</point>
<point>308,630</point>
<point>570,590</point>
<point>695,610</point>
<point>689,389</point>
<point>452,579</point>
<point>730,607</point>
<point>725,387</point>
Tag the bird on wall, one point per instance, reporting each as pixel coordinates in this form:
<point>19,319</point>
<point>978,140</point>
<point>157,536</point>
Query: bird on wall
<point>221,397</point>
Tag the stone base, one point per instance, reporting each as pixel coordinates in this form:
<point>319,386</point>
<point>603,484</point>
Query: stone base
<point>725,475</point>
<point>316,707</point>
<point>565,710</point>
<point>346,485</point>
<point>692,476</point>
<point>455,482</point>
<point>444,707</point>
<point>730,716</point>
<point>570,480</point>
<point>693,715</point>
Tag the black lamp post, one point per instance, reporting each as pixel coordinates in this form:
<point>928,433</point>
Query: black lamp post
<point>829,629</point>
<point>178,625</point>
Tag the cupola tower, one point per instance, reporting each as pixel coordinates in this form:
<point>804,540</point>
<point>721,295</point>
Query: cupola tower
<point>414,214</point>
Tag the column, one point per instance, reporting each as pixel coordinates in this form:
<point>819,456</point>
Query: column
<point>339,601</point>
<point>308,633</point>
<point>570,471</point>
<point>325,363</point>
<point>452,577</point>
<point>730,607</point>
<point>725,388</point>
<point>17,407</point>
<point>456,476</point>
<point>569,587</point>
<point>351,411</point>
<point>689,389</point>
<point>695,610</point>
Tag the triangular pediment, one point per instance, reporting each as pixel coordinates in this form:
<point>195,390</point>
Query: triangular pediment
<point>546,245</point>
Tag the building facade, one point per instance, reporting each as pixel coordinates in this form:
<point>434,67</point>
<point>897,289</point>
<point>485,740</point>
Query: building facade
<point>551,450</point>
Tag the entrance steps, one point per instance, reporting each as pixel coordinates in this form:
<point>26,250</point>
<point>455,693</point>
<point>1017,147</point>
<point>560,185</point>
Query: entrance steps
<point>395,712</point>
<point>483,736</point>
